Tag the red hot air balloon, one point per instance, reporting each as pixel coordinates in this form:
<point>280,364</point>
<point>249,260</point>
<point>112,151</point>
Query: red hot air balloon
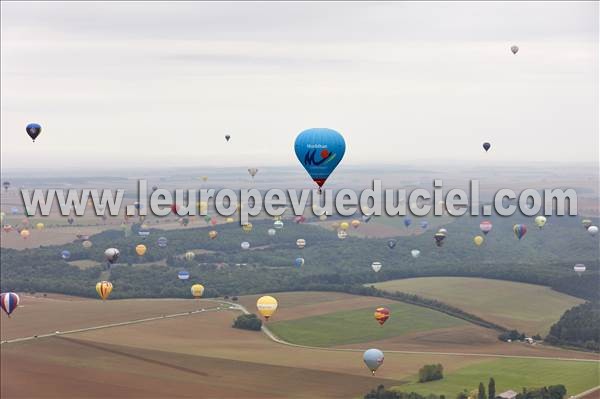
<point>381,315</point>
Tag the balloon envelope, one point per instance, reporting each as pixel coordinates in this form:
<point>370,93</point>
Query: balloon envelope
<point>478,240</point>
<point>9,302</point>
<point>376,266</point>
<point>373,358</point>
<point>300,243</point>
<point>299,262</point>
<point>520,230</point>
<point>579,268</point>
<point>140,249</point>
<point>391,243</point>
<point>485,226</point>
<point>33,130</point>
<point>266,305</point>
<point>183,275</point>
<point>104,288</point>
<point>415,253</point>
<point>540,221</point>
<point>197,290</point>
<point>111,255</point>
<point>381,315</point>
<point>320,150</point>
<point>162,242</point>
<point>514,49</point>
<point>593,230</point>
<point>65,254</point>
<point>486,146</point>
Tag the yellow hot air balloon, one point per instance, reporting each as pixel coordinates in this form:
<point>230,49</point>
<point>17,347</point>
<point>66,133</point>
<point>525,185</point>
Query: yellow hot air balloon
<point>203,206</point>
<point>141,249</point>
<point>344,225</point>
<point>212,234</point>
<point>189,256</point>
<point>197,290</point>
<point>540,221</point>
<point>104,288</point>
<point>229,220</point>
<point>266,305</point>
<point>39,226</point>
<point>247,227</point>
<point>478,240</point>
<point>25,234</point>
<point>355,223</point>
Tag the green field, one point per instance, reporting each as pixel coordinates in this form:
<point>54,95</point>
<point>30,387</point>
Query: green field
<point>355,326</point>
<point>512,374</point>
<point>525,307</point>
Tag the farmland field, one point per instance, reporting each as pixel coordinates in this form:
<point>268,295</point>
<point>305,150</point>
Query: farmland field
<point>179,357</point>
<point>525,307</point>
<point>513,374</point>
<point>359,325</point>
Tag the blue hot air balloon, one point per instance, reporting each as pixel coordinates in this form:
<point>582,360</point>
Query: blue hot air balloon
<point>320,150</point>
<point>65,254</point>
<point>407,222</point>
<point>299,262</point>
<point>33,130</point>
<point>183,275</point>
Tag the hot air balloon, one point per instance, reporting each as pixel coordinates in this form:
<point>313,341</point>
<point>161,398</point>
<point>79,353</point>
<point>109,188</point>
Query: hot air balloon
<point>540,221</point>
<point>39,226</point>
<point>6,185</point>
<point>247,227</point>
<point>320,150</point>
<point>443,231</point>
<point>65,254</point>
<point>407,222</point>
<point>140,249</point>
<point>593,230</point>
<point>299,219</point>
<point>300,243</point>
<point>266,305</point>
<point>366,218</point>
<point>485,226</point>
<point>252,172</point>
<point>245,245</point>
<point>520,230</point>
<point>478,240</point>
<point>2,216</point>
<point>33,130</point>
<point>7,228</point>
<point>15,211</point>
<point>271,232</point>
<point>204,178</point>
<point>342,235</point>
<point>391,243</point>
<point>162,242</point>
<point>424,224</point>
<point>227,137</point>
<point>586,223</point>
<point>86,244</point>
<point>415,253</point>
<point>212,234</point>
<point>207,219</point>
<point>189,256</point>
<point>381,315</point>
<point>344,225</point>
<point>439,238</point>
<point>229,220</point>
<point>197,290</point>
<point>111,255</point>
<point>299,262</point>
<point>373,358</point>
<point>183,275</point>
<point>579,269</point>
<point>104,288</point>
<point>355,223</point>
<point>486,146</point>
<point>70,220</point>
<point>213,221</point>
<point>335,225</point>
<point>25,234</point>
<point>376,266</point>
<point>9,302</point>
<point>514,49</point>
<point>278,224</point>
<point>154,188</point>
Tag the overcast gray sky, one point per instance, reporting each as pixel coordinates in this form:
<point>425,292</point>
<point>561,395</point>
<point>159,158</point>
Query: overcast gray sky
<point>133,84</point>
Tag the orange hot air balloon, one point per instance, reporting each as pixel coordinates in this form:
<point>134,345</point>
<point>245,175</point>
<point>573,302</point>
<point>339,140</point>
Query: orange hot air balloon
<point>381,315</point>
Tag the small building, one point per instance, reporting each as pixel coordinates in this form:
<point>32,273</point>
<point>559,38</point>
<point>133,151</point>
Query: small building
<point>507,395</point>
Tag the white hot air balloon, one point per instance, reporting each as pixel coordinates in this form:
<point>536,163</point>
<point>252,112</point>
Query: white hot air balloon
<point>579,269</point>
<point>593,230</point>
<point>376,266</point>
<point>415,253</point>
